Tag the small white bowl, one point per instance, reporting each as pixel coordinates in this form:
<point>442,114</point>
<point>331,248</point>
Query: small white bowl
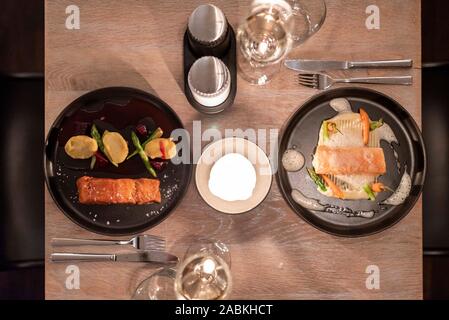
<point>252,152</point>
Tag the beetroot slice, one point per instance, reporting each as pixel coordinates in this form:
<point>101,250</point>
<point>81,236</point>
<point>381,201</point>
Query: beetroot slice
<point>101,161</point>
<point>158,165</point>
<point>142,129</point>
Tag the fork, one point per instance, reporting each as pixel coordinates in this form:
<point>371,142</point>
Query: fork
<point>323,81</point>
<point>140,242</point>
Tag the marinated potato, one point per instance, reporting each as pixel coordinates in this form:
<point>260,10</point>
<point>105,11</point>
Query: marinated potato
<point>160,148</point>
<point>115,146</point>
<point>81,147</point>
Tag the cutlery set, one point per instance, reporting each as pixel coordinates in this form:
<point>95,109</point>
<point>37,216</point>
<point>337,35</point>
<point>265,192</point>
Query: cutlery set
<point>311,72</point>
<point>149,249</point>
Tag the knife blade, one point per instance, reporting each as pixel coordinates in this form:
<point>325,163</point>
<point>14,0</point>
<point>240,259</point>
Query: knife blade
<point>142,256</point>
<point>322,65</point>
<point>147,256</point>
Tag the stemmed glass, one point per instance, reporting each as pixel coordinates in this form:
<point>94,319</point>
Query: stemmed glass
<point>308,16</point>
<point>264,39</point>
<point>270,30</point>
<point>158,286</point>
<point>203,274</point>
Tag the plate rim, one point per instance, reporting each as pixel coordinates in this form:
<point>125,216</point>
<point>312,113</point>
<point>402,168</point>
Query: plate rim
<point>46,161</point>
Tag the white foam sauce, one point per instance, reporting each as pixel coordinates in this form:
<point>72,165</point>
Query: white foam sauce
<point>308,203</point>
<point>366,214</point>
<point>385,133</point>
<point>401,193</point>
<point>313,204</point>
<point>340,105</point>
<point>292,160</point>
<point>232,178</point>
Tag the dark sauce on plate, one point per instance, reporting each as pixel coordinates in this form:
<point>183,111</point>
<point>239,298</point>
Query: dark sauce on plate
<point>122,118</point>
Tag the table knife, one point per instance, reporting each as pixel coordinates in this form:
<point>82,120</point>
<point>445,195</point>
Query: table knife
<point>143,256</point>
<point>322,65</point>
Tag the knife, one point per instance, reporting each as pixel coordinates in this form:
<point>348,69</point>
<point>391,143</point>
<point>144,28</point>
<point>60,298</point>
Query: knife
<point>143,256</point>
<point>322,65</point>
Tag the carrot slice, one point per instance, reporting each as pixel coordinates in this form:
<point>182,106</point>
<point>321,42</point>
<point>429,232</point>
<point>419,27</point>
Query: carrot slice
<point>335,189</point>
<point>365,125</point>
<point>378,187</point>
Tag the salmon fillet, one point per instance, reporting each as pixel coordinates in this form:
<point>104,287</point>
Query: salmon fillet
<point>117,191</point>
<point>349,160</point>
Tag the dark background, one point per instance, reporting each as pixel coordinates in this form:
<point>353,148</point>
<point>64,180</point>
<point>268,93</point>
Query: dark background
<point>22,134</point>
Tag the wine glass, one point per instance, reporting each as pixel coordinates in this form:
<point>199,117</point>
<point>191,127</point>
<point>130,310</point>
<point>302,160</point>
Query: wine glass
<point>308,16</point>
<point>264,39</point>
<point>158,286</point>
<point>204,273</point>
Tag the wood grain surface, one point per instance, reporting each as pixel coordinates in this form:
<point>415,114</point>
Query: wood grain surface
<point>275,254</point>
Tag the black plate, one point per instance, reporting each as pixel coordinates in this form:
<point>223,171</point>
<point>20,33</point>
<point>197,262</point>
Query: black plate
<point>302,129</point>
<point>121,109</point>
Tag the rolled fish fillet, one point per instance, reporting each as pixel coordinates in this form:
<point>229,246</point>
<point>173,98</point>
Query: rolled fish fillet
<point>118,191</point>
<point>349,160</point>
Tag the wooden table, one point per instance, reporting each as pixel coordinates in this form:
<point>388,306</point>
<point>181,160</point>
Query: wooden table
<point>275,254</point>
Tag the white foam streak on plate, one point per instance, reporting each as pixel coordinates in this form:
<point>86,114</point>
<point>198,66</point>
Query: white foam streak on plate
<point>340,105</point>
<point>403,190</point>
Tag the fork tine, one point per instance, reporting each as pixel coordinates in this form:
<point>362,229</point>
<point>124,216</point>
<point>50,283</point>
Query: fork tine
<point>307,83</point>
<point>150,242</point>
<point>303,81</point>
<point>151,236</point>
<point>313,86</point>
<point>153,248</point>
<point>310,80</point>
<point>307,76</point>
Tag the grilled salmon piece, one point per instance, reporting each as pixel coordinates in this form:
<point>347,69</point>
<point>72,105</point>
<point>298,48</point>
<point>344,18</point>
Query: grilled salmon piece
<point>349,160</point>
<point>117,191</point>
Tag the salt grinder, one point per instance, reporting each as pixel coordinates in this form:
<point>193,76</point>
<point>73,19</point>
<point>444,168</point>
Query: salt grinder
<point>209,81</point>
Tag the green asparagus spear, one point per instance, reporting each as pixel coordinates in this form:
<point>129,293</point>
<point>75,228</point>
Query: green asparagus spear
<point>317,179</point>
<point>369,192</point>
<point>376,124</point>
<point>92,162</point>
<point>142,154</point>
<point>156,134</point>
<point>96,135</point>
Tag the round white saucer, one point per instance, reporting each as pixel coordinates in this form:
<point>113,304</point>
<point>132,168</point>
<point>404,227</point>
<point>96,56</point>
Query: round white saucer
<point>252,152</point>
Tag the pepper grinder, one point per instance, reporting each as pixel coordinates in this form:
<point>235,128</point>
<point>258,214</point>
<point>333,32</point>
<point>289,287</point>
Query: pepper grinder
<point>210,83</point>
<point>207,31</point>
